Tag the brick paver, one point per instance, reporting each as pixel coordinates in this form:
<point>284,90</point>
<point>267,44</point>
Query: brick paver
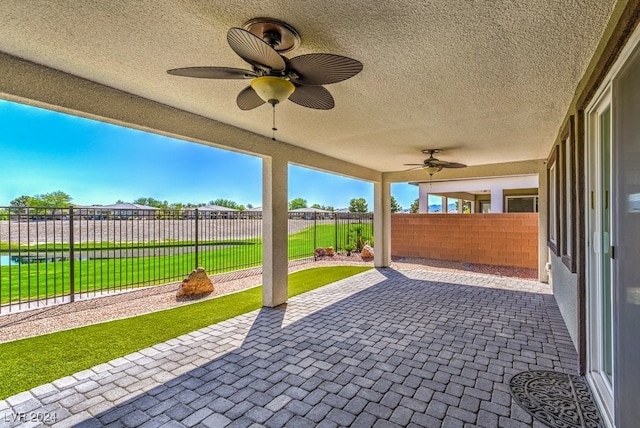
<point>383,348</point>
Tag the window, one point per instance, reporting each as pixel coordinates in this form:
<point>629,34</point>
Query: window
<point>485,207</point>
<point>568,196</point>
<point>453,205</point>
<point>522,204</point>
<point>553,220</point>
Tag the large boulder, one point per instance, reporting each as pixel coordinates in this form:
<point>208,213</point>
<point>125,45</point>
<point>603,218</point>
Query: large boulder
<point>367,252</point>
<point>322,252</point>
<point>198,282</point>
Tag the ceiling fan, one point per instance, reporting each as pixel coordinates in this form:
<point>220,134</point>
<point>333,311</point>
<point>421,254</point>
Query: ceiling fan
<point>433,165</point>
<point>275,78</point>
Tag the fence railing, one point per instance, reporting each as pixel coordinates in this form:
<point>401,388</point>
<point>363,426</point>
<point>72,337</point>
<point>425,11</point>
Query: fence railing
<point>57,255</point>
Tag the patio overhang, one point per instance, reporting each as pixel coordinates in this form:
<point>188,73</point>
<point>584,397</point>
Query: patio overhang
<point>488,84</point>
<point>496,86</point>
<point>477,119</point>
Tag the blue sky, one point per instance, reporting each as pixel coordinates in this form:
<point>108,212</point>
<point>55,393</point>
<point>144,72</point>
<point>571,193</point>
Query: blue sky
<point>42,151</point>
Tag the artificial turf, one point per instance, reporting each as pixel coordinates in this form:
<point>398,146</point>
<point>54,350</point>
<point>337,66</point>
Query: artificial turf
<point>30,362</point>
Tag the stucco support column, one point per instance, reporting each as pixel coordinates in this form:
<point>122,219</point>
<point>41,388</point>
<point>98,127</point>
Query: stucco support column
<point>275,222</point>
<point>423,199</point>
<point>497,204</point>
<point>543,206</point>
<point>382,223</point>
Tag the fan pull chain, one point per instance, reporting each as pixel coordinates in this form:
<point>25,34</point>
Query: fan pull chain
<point>273,128</point>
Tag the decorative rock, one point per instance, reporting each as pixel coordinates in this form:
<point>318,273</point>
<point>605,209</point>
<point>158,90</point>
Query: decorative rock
<point>367,252</point>
<point>319,252</point>
<point>198,282</point>
<point>329,251</point>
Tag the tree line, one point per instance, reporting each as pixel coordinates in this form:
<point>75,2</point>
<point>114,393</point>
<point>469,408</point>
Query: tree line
<point>164,205</point>
<point>356,205</point>
<point>60,199</point>
<point>396,207</point>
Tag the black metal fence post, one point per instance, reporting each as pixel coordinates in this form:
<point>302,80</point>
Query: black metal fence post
<point>196,240</point>
<point>72,258</point>
<point>315,232</point>
<point>335,217</point>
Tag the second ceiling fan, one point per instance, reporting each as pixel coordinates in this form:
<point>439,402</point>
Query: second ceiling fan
<point>433,165</point>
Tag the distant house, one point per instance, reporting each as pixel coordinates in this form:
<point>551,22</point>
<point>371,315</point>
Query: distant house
<point>252,213</point>
<point>310,214</point>
<point>120,211</point>
<point>91,212</point>
<point>126,211</point>
<point>344,213</point>
<point>210,212</point>
<point>22,213</point>
<point>505,194</point>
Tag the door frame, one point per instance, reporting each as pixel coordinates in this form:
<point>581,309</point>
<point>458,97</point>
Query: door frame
<point>600,385</point>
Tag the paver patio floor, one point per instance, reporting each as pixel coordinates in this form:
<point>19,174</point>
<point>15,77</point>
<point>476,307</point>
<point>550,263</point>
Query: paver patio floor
<point>383,348</point>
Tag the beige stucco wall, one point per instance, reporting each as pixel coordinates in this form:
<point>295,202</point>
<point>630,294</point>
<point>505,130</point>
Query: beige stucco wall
<point>565,290</point>
<point>492,239</point>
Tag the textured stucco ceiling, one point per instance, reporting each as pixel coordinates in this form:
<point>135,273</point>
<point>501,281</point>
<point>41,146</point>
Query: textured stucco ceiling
<point>488,81</point>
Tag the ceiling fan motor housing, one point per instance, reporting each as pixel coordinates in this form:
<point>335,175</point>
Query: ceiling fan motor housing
<point>278,34</point>
<point>272,38</point>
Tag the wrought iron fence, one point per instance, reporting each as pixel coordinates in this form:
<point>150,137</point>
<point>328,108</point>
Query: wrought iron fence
<point>57,255</point>
<point>311,230</point>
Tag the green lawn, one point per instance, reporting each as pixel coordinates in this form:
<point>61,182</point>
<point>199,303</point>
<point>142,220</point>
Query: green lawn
<point>31,362</point>
<point>53,278</point>
<point>40,280</point>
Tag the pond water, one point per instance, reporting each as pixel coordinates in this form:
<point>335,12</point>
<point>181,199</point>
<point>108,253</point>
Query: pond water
<point>15,260</point>
<point>6,261</point>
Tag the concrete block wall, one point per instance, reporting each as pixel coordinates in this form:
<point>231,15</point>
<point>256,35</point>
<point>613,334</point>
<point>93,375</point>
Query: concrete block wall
<point>493,239</point>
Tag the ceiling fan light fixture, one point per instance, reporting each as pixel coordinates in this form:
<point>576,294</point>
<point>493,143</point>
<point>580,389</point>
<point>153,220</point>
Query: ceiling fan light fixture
<point>272,89</point>
<point>432,169</point>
